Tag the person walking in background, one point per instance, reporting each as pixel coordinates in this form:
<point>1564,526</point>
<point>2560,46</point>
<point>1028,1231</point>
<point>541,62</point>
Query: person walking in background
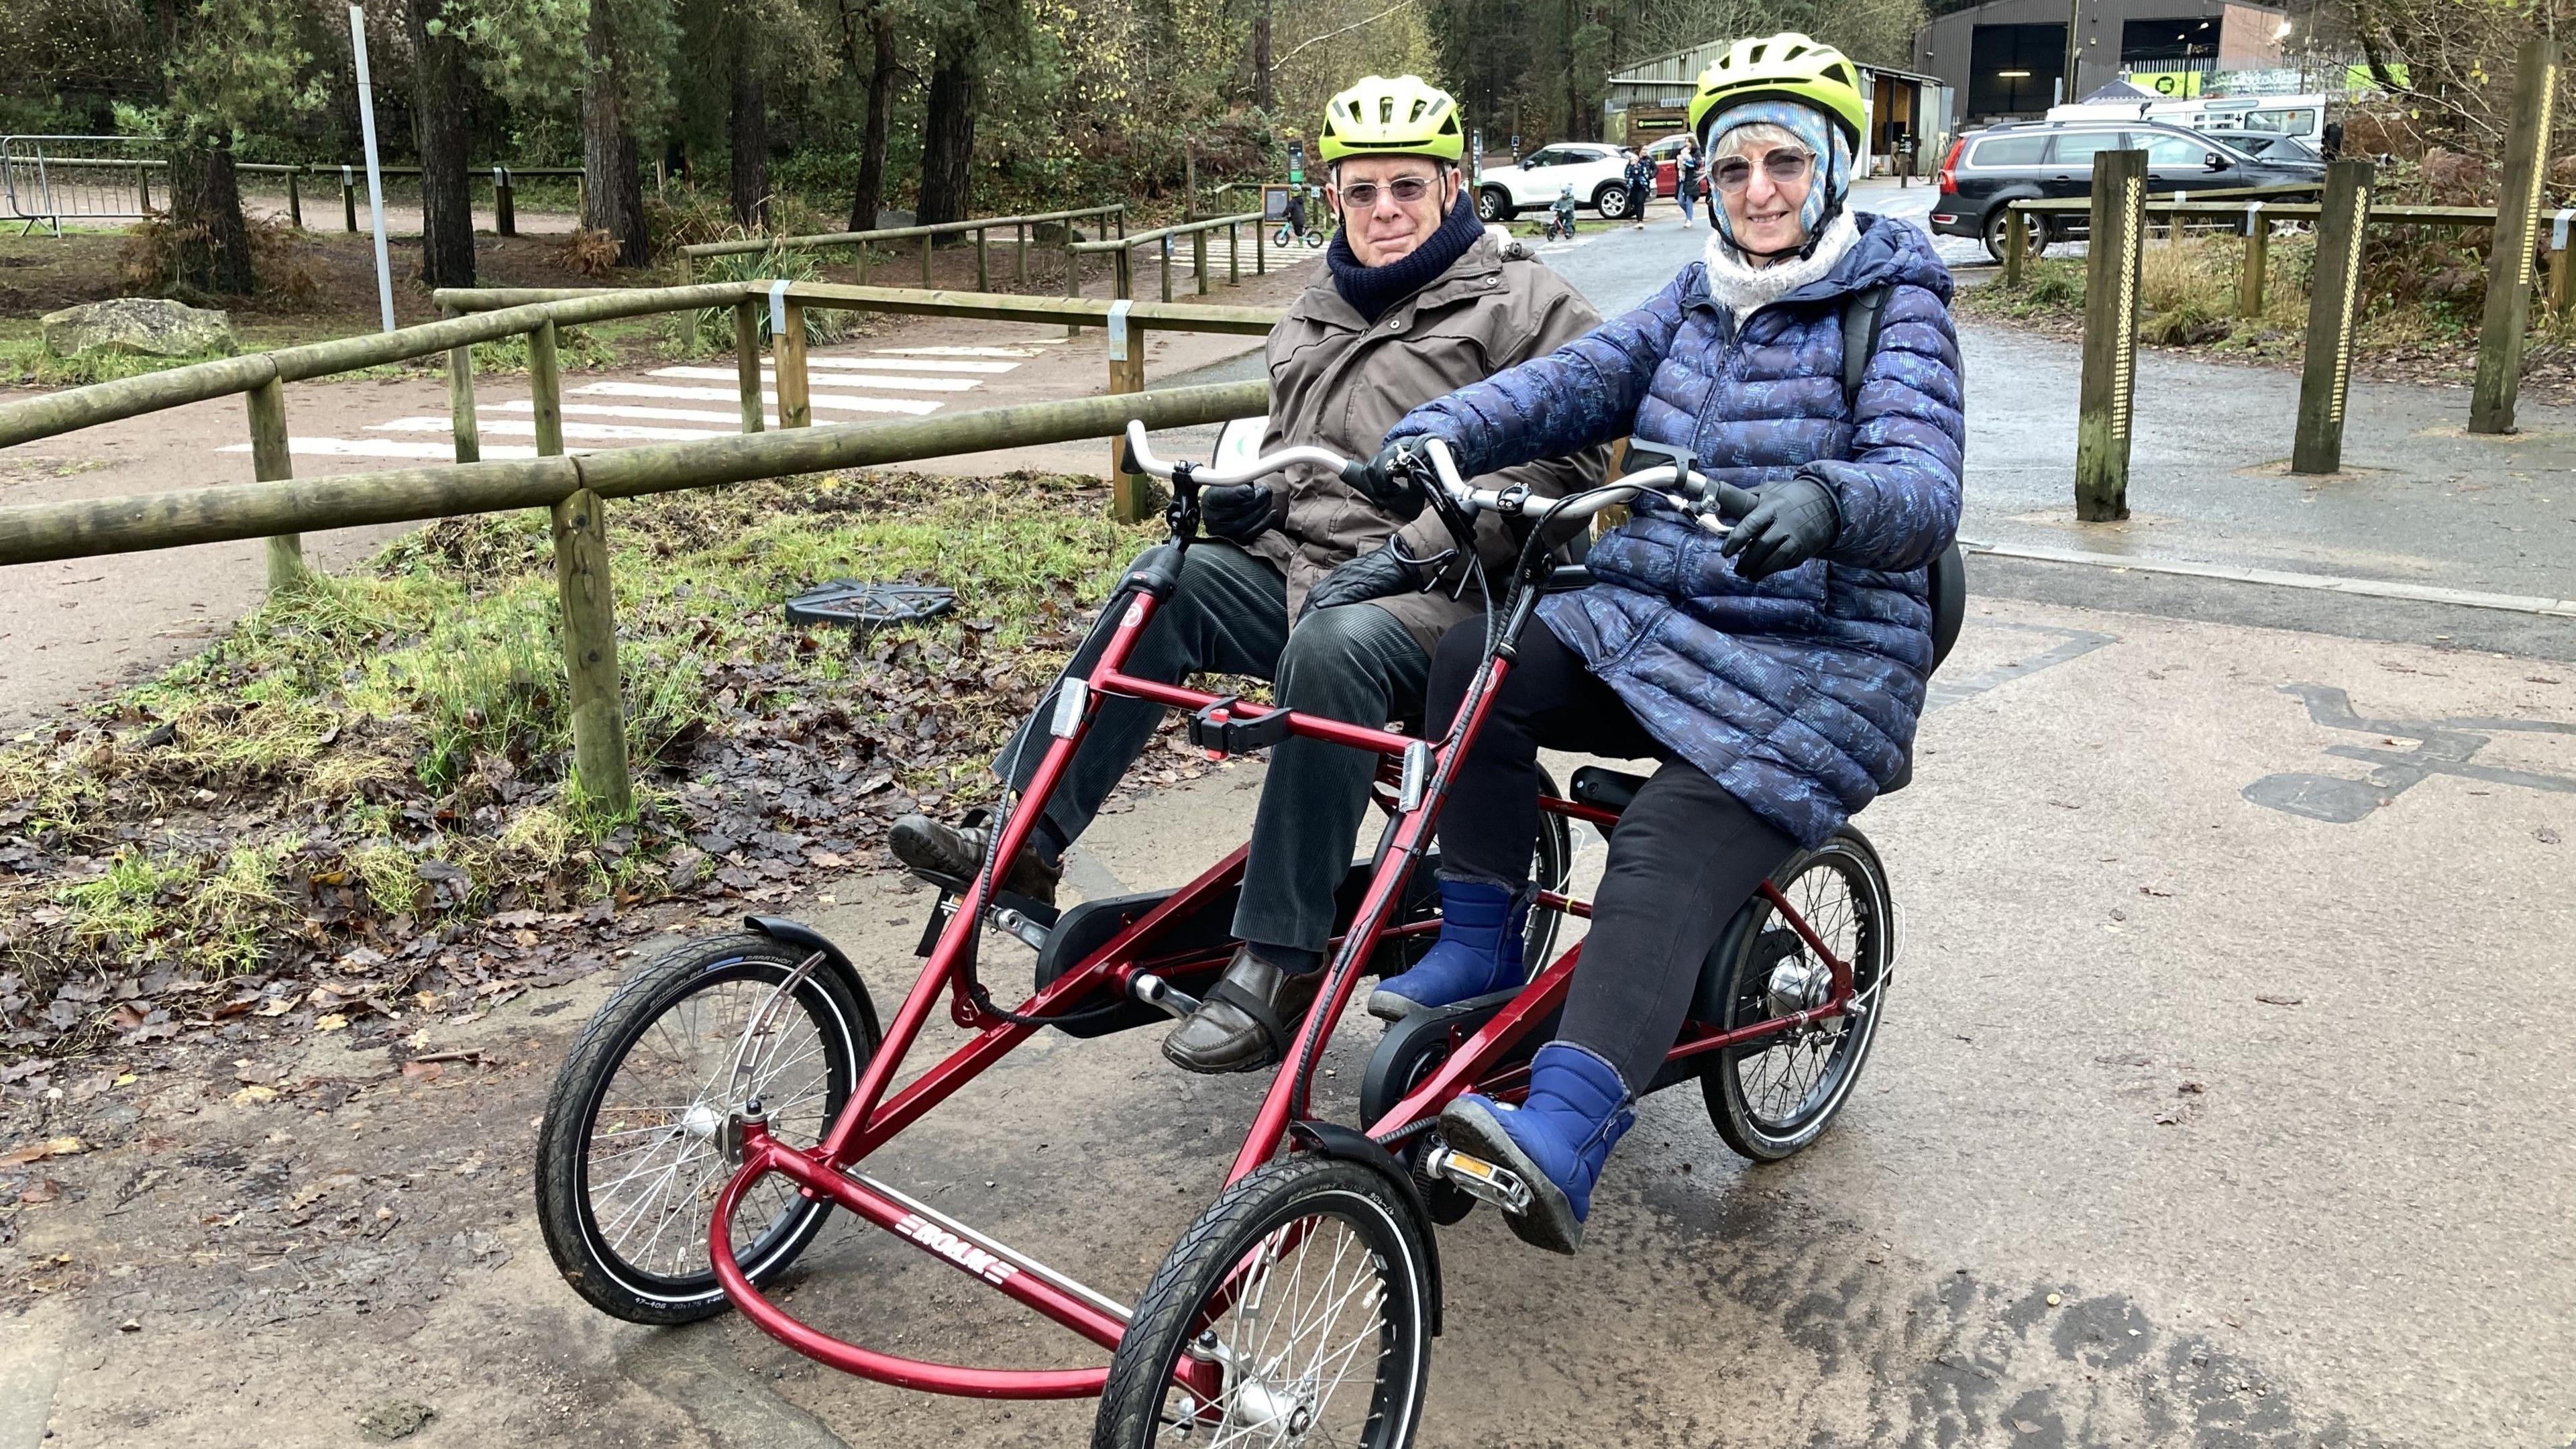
<point>1686,178</point>
<point>1641,186</point>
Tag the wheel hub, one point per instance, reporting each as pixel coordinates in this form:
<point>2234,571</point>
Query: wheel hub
<point>1261,1404</point>
<point>701,1122</point>
<point>1796,985</point>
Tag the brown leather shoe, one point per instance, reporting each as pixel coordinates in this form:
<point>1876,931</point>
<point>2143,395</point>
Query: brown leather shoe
<point>957,852</point>
<point>1246,1020</point>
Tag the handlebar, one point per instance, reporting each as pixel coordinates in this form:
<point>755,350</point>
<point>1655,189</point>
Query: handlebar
<point>1693,494</point>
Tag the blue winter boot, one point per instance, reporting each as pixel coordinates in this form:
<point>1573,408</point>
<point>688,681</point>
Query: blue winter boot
<point>1482,927</point>
<point>1555,1141</point>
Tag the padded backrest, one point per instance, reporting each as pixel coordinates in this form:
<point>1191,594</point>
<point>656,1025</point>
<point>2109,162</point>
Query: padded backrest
<point>1947,579</point>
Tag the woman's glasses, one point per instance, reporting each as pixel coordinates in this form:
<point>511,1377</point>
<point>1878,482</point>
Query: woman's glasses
<point>1361,195</point>
<point>1783,167</point>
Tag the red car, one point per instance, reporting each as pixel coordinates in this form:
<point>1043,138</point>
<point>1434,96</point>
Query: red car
<point>1666,154</point>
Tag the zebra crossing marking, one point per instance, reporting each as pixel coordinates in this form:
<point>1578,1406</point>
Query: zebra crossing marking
<point>390,448</point>
<point>900,384</point>
<point>609,410</point>
<point>512,427</point>
<point>911,364</point>
<point>1020,350</point>
<point>915,407</point>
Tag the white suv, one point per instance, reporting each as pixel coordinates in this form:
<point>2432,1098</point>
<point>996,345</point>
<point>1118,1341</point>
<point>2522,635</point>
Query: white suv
<point>1596,171</point>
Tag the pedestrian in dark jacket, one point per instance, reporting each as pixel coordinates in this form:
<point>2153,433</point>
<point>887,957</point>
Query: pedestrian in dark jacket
<point>1777,672</point>
<point>1687,174</point>
<point>1641,186</point>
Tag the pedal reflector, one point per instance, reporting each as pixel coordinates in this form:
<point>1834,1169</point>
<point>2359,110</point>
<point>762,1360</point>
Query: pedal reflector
<point>1482,1180</point>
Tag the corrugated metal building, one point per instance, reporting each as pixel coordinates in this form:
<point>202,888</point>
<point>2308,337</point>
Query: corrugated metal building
<point>2006,59</point>
<point>1645,100</point>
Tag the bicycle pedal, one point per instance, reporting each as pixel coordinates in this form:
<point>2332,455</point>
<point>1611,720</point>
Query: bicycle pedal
<point>1484,1181</point>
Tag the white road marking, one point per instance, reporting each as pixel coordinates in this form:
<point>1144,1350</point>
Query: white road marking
<point>898,384</point>
<point>909,364</point>
<point>604,410</point>
<point>1019,351</point>
<point>389,448</point>
<point>915,407</point>
<point>515,428</point>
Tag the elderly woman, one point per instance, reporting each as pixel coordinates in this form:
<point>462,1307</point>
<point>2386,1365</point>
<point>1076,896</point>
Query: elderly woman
<point>1777,673</point>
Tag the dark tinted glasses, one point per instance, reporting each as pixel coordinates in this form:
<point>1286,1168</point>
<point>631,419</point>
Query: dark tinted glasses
<point>1784,167</point>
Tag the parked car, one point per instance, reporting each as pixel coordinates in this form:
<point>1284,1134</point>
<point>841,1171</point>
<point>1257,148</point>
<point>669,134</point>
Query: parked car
<point>1596,170</point>
<point>2050,159</point>
<point>2272,147</point>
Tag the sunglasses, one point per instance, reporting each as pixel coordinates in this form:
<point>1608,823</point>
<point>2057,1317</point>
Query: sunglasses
<point>1362,195</point>
<point>1783,167</point>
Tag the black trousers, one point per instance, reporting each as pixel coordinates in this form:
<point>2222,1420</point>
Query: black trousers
<point>1684,857</point>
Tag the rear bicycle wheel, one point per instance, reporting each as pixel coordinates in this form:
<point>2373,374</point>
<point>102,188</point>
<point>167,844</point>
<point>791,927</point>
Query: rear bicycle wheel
<point>628,1165</point>
<point>1772,1096</point>
<point>1302,1299</point>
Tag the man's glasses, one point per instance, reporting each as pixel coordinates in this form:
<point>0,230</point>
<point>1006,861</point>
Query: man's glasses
<point>1783,167</point>
<point>1361,195</point>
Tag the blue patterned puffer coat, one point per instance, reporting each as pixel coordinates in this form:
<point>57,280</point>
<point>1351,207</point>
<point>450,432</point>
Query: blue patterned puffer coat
<point>1799,694</point>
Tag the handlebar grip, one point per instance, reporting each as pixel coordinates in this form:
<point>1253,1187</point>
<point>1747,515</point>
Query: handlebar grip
<point>1357,477</point>
<point>1733,502</point>
<point>1127,457</point>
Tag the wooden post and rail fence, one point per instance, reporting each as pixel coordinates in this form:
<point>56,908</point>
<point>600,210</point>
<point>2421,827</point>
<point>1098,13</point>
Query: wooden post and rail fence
<point>280,508</point>
<point>1121,251</point>
<point>1021,227</point>
<point>2119,216</point>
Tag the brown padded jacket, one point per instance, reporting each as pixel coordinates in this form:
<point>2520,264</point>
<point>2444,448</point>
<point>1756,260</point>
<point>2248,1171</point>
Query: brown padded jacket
<point>1339,382</point>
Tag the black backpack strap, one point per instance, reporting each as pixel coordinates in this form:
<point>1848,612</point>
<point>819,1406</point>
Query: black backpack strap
<point>1863,313</point>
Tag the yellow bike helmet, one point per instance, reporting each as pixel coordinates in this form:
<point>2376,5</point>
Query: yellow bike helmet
<point>1788,67</point>
<point>1406,116</point>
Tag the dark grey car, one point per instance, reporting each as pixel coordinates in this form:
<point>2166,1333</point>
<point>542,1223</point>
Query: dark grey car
<point>1989,168</point>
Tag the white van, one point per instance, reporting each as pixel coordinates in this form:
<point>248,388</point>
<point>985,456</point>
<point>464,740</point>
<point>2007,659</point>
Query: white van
<point>2303,116</point>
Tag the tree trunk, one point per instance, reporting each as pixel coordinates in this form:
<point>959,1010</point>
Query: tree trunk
<point>749,132</point>
<point>1261,94</point>
<point>438,124</point>
<point>612,184</point>
<point>870,198</point>
<point>948,131</point>
<point>213,243</point>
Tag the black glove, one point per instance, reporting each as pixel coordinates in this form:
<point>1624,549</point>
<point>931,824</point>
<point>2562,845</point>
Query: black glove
<point>1241,512</point>
<point>1790,523</point>
<point>1388,480</point>
<point>1370,576</point>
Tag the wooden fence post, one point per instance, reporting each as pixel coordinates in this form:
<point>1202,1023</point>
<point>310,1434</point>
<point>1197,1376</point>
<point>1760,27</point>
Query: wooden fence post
<point>505,203</point>
<point>795,395</point>
<point>1020,253</point>
<point>1234,254</point>
<point>294,198</point>
<point>143,185</point>
<point>1198,258</point>
<point>1165,250</point>
<point>1261,247</point>
<point>2318,447</point>
<point>271,461</point>
<point>588,598</point>
<point>1072,279</point>
<point>545,390</point>
<point>2016,244</point>
<point>1126,279</point>
<point>746,362</point>
<point>983,276</point>
<point>1131,498</point>
<point>460,402</point>
<point>863,263</point>
<point>2560,292</point>
<point>2110,336</point>
<point>348,200</point>
<point>2258,250</point>
<point>925,263</point>
<point>2508,309</point>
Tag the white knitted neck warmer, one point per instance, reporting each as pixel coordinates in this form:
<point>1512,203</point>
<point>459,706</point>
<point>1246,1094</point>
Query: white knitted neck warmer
<point>1745,288</point>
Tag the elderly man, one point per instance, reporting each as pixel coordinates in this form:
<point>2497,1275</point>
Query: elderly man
<point>1335,600</point>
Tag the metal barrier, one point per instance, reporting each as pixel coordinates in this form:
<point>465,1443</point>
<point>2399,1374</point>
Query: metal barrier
<point>50,179</point>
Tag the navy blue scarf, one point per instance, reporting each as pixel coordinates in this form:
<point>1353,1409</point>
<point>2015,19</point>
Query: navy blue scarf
<point>1372,290</point>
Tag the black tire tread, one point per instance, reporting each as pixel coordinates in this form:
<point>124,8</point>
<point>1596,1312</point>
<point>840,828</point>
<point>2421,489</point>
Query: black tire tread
<point>1132,1398</point>
<point>560,1136</point>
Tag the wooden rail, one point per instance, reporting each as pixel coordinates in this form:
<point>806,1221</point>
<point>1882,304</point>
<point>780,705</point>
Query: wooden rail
<point>982,227</point>
<point>1122,250</point>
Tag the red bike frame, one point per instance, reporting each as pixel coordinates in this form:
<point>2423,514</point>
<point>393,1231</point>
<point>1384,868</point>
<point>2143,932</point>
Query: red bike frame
<point>875,1113</point>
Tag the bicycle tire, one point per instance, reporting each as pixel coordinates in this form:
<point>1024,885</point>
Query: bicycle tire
<point>1236,1227</point>
<point>599,1269</point>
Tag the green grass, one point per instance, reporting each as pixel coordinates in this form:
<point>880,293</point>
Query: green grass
<point>360,725</point>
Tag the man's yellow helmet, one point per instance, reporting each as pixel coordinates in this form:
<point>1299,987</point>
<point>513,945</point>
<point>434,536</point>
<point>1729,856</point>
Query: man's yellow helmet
<point>1406,116</point>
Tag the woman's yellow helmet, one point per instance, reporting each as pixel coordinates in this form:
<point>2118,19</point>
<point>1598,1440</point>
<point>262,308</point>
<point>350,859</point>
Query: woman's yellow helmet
<point>1789,67</point>
<point>1406,116</point>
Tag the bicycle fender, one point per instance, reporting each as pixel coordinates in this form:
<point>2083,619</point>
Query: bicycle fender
<point>1349,1144</point>
<point>805,937</point>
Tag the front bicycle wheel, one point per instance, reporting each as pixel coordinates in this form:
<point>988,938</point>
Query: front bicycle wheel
<point>1299,1305</point>
<point>1772,1096</point>
<point>628,1166</point>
